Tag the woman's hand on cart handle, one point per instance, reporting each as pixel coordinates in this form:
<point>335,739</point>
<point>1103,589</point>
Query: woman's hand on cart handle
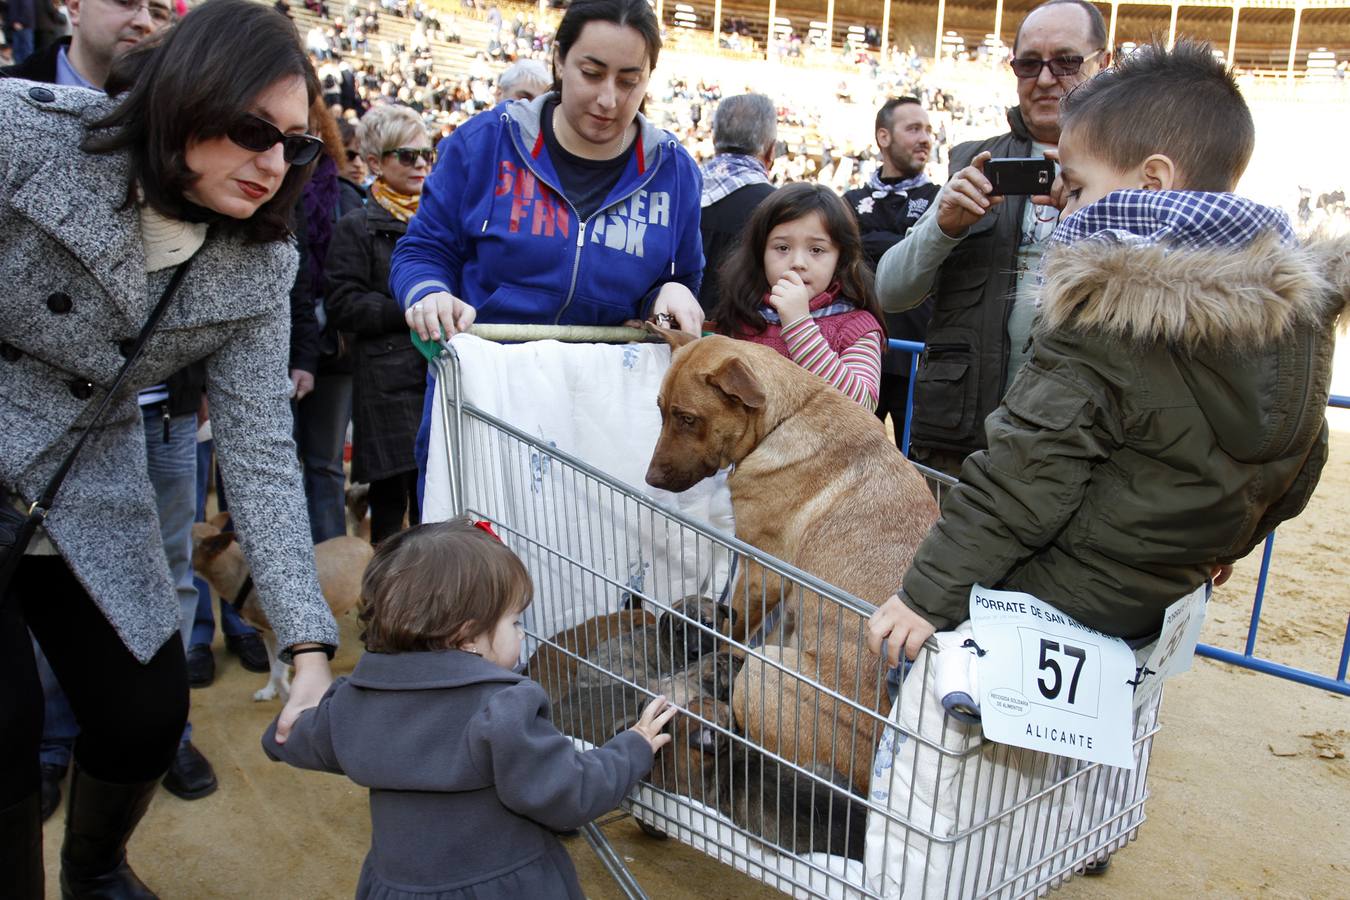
<point>442,309</point>
<point>652,722</point>
<point>899,628</point>
<point>312,680</point>
<point>675,300</point>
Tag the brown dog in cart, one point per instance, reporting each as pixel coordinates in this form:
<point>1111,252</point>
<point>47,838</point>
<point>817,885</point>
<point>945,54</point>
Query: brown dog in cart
<point>814,481</point>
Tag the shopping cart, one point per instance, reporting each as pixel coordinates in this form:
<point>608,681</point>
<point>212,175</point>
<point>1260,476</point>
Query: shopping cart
<point>630,601</point>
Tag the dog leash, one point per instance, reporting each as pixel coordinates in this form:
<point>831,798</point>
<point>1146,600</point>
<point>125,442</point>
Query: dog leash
<point>244,589</point>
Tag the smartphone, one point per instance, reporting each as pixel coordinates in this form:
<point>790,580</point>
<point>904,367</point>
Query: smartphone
<point>1020,176</point>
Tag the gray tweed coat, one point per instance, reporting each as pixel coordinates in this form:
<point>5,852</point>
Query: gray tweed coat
<point>73,288</point>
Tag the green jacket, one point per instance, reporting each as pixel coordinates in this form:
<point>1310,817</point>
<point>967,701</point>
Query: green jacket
<point>1172,414</point>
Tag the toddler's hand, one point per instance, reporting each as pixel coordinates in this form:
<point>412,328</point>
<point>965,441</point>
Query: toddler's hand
<point>789,297</point>
<point>1220,574</point>
<point>653,719</point>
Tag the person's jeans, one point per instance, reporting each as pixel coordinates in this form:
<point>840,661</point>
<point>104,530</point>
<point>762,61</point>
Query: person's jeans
<point>204,620</point>
<point>21,44</point>
<point>320,433</point>
<point>172,465</point>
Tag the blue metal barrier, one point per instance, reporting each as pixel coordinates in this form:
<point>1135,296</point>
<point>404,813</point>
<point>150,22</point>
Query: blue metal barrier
<point>1248,658</point>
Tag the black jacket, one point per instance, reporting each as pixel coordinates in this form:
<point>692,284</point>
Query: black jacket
<point>961,375</point>
<point>721,226</point>
<point>389,378</point>
<point>186,385</point>
<point>884,221</point>
<point>41,66</point>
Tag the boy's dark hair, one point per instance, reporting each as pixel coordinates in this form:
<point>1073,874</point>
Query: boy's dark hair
<point>186,84</point>
<point>434,585</point>
<point>887,110</point>
<point>1181,103</point>
<point>1096,22</point>
<point>636,14</point>
<point>743,280</point>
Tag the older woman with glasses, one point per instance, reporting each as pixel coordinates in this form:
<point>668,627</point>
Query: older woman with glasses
<point>185,174</point>
<point>390,376</point>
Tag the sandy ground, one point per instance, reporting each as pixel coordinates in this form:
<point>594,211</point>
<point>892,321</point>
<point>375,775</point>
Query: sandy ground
<point>1250,783</point>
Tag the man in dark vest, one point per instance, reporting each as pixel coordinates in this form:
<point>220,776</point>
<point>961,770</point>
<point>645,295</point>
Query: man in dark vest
<point>736,180</point>
<point>893,199</point>
<point>978,255</point>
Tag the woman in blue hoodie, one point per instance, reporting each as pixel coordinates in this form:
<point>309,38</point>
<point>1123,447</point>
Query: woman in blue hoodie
<point>571,209</point>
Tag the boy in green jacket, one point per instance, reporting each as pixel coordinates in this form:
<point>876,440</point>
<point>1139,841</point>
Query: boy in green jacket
<point>1172,413</point>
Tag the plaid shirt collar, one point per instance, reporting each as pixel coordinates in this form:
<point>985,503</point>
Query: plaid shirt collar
<point>729,172</point>
<point>1188,219</point>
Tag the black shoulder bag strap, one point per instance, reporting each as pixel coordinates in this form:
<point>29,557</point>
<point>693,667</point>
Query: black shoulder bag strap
<point>15,536</point>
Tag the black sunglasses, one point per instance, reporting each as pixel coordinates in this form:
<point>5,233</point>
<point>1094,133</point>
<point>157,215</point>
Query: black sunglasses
<point>408,156</point>
<point>352,156</point>
<point>1060,66</point>
<point>260,135</point>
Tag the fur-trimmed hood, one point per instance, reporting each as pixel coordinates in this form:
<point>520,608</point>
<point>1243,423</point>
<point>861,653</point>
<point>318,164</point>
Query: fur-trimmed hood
<point>1251,329</point>
<point>1144,293</point>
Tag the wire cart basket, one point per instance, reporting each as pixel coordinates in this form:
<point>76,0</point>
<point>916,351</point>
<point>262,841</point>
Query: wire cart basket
<point>634,598</point>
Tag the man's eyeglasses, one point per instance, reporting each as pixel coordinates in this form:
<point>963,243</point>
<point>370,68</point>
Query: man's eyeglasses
<point>353,156</point>
<point>408,156</point>
<point>260,135</point>
<point>1060,66</point>
<point>160,15</point>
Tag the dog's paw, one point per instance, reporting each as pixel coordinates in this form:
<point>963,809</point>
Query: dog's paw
<point>264,694</point>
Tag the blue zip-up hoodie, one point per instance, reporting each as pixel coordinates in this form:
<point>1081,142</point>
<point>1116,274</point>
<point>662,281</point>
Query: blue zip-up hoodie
<point>493,228</point>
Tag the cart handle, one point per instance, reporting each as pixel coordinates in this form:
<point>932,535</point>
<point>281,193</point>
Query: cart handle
<point>572,334</point>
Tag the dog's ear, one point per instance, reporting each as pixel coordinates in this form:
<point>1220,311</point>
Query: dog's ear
<point>675,338</point>
<point>734,378</point>
<point>215,545</point>
<point>220,519</point>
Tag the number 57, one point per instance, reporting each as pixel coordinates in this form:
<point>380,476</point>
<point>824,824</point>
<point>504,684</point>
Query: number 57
<point>1051,690</point>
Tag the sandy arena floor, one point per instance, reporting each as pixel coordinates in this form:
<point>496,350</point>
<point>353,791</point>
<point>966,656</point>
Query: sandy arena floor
<point>1250,782</point>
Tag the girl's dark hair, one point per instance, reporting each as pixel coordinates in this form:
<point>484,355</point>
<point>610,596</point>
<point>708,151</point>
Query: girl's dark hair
<point>432,586</point>
<point>636,14</point>
<point>743,282</point>
<point>189,83</point>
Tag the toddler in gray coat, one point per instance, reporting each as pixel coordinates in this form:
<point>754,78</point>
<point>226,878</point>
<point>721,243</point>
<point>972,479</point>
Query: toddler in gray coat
<point>468,778</point>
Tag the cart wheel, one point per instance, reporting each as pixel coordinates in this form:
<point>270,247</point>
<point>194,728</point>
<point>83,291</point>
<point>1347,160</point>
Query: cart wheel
<point>651,831</point>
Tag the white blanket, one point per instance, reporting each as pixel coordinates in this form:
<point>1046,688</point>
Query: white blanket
<point>587,546</point>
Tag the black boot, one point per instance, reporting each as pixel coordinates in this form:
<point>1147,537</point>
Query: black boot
<point>100,817</point>
<point>21,847</point>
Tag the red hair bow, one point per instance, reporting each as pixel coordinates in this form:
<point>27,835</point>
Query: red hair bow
<point>487,526</point>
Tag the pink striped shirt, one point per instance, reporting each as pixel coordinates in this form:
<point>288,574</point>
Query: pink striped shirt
<point>856,371</point>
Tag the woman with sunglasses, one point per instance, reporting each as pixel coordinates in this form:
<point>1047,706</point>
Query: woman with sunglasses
<point>188,169</point>
<point>390,375</point>
<point>570,209</point>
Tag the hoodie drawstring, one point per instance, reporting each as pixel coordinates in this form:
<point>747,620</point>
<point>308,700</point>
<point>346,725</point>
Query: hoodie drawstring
<point>496,146</point>
<point>675,209</point>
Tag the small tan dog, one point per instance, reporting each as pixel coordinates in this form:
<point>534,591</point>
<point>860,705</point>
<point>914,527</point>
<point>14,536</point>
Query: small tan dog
<point>218,558</point>
<point>817,483</point>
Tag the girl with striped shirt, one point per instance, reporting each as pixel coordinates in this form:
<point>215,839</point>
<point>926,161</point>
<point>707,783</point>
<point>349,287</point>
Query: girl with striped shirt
<point>799,282</point>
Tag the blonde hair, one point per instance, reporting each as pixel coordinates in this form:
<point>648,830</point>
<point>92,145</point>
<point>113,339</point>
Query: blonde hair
<point>386,128</point>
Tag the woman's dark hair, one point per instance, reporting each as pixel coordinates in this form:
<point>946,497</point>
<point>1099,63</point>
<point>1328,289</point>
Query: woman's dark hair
<point>743,281</point>
<point>636,14</point>
<point>189,83</point>
<point>432,586</point>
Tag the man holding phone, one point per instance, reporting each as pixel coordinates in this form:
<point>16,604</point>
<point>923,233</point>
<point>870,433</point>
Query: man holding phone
<point>976,252</point>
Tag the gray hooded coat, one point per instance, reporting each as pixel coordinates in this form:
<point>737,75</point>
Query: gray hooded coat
<point>468,778</point>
